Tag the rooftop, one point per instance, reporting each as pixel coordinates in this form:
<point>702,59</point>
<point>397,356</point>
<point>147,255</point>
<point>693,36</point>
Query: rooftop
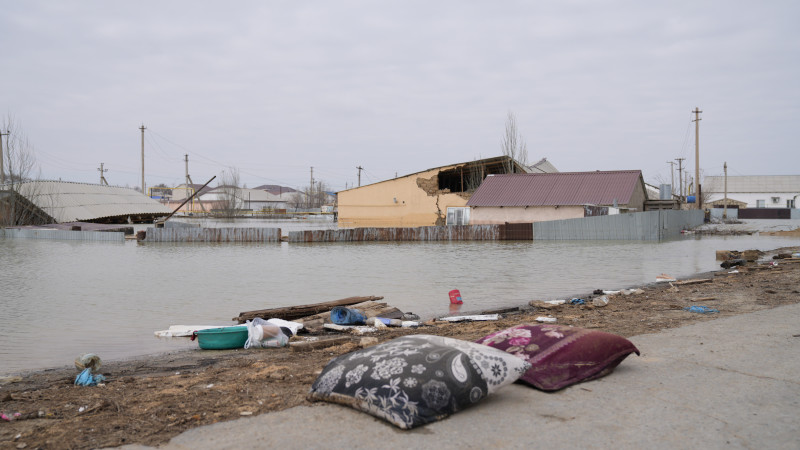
<point>561,188</point>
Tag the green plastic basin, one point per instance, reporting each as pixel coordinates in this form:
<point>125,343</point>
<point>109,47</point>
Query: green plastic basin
<point>222,338</point>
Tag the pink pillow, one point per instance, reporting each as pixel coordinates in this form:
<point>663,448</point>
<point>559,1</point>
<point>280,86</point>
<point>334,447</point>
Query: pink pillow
<point>561,355</point>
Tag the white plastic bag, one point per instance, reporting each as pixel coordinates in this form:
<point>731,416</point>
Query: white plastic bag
<point>262,334</point>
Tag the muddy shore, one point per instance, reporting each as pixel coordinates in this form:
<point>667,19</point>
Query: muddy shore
<point>150,400</point>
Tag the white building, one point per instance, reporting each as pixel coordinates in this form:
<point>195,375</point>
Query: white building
<point>756,191</point>
<point>246,199</point>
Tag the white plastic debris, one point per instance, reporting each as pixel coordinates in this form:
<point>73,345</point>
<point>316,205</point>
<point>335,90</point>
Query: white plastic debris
<point>543,319</point>
<point>555,302</point>
<point>600,301</point>
<point>479,317</point>
<point>355,329</point>
<point>664,278</point>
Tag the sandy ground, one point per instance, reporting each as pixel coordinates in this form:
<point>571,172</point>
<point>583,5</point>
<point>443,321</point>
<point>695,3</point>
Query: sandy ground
<point>150,400</point>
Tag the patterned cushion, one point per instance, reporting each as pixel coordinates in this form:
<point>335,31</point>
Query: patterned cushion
<point>561,355</point>
<point>414,380</point>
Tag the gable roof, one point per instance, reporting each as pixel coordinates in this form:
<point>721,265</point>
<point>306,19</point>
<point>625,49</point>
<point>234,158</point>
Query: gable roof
<point>562,188</point>
<point>275,189</point>
<point>753,184</point>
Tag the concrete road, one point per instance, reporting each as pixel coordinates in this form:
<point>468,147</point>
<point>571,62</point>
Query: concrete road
<point>726,383</point>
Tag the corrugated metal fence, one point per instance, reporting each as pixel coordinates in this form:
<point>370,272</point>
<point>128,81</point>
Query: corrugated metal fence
<point>64,235</point>
<point>212,235</point>
<point>647,226</point>
<point>447,233</point>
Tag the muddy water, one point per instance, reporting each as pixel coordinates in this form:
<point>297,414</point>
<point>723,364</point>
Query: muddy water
<point>61,299</point>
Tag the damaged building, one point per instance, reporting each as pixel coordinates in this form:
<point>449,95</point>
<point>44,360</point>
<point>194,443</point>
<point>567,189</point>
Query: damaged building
<point>43,202</point>
<point>436,196</point>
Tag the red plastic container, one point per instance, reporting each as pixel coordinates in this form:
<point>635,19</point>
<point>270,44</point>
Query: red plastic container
<point>455,297</point>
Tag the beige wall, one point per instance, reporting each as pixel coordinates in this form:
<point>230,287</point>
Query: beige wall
<point>486,215</point>
<point>417,196</point>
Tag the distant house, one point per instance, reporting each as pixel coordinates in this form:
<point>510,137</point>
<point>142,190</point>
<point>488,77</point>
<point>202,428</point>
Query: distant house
<point>536,197</point>
<point>418,199</point>
<point>182,191</point>
<point>228,197</point>
<point>753,191</point>
<point>276,189</point>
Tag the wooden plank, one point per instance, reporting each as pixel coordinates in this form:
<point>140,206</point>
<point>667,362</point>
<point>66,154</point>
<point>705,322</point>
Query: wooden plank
<point>696,281</point>
<point>298,311</point>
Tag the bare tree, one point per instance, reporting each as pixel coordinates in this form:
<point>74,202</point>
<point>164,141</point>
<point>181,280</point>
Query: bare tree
<point>310,197</point>
<point>514,145</point>
<point>230,200</point>
<point>19,188</point>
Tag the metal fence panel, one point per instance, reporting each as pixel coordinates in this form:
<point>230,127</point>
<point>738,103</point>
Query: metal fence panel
<point>213,235</point>
<point>446,233</point>
<point>649,225</point>
<point>64,235</point>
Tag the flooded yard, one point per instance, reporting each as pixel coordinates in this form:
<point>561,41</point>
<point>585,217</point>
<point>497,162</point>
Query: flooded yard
<point>61,299</point>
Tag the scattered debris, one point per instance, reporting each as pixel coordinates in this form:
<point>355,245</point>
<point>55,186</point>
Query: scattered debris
<point>703,299</point>
<point>182,330</point>
<point>86,378</point>
<point>701,309</point>
<point>300,311</point>
<point>543,319</point>
<point>664,278</point>
<point>10,379</point>
<point>577,301</point>
<point>695,281</point>
<point>347,316</point>
<point>502,310</point>
<point>315,344</point>
<point>732,263</point>
<point>479,317</point>
<point>455,297</point>
<point>356,329</point>
<point>600,301</point>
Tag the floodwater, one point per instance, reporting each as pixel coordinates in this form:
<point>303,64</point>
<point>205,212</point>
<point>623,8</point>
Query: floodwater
<point>61,299</point>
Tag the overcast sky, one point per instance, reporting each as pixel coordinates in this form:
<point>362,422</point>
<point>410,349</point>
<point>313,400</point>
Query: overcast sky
<point>272,88</point>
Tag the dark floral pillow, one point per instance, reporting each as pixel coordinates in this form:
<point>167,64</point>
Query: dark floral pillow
<point>414,380</point>
<point>561,355</point>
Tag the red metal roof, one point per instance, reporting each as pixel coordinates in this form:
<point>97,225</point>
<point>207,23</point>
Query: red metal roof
<point>551,189</point>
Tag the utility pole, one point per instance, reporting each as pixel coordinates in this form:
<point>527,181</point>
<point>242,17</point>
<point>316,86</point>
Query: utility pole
<point>2,168</point>
<point>311,187</point>
<point>672,174</point>
<point>359,175</point>
<point>102,177</point>
<point>697,191</point>
<point>144,190</point>
<point>188,180</point>
<point>680,175</point>
<point>725,208</point>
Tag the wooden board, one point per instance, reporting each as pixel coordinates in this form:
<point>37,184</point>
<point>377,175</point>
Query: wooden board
<point>299,311</point>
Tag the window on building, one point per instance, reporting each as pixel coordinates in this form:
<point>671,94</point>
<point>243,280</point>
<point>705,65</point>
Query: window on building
<point>760,203</point>
<point>790,203</point>
<point>776,200</point>
<point>458,216</point>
